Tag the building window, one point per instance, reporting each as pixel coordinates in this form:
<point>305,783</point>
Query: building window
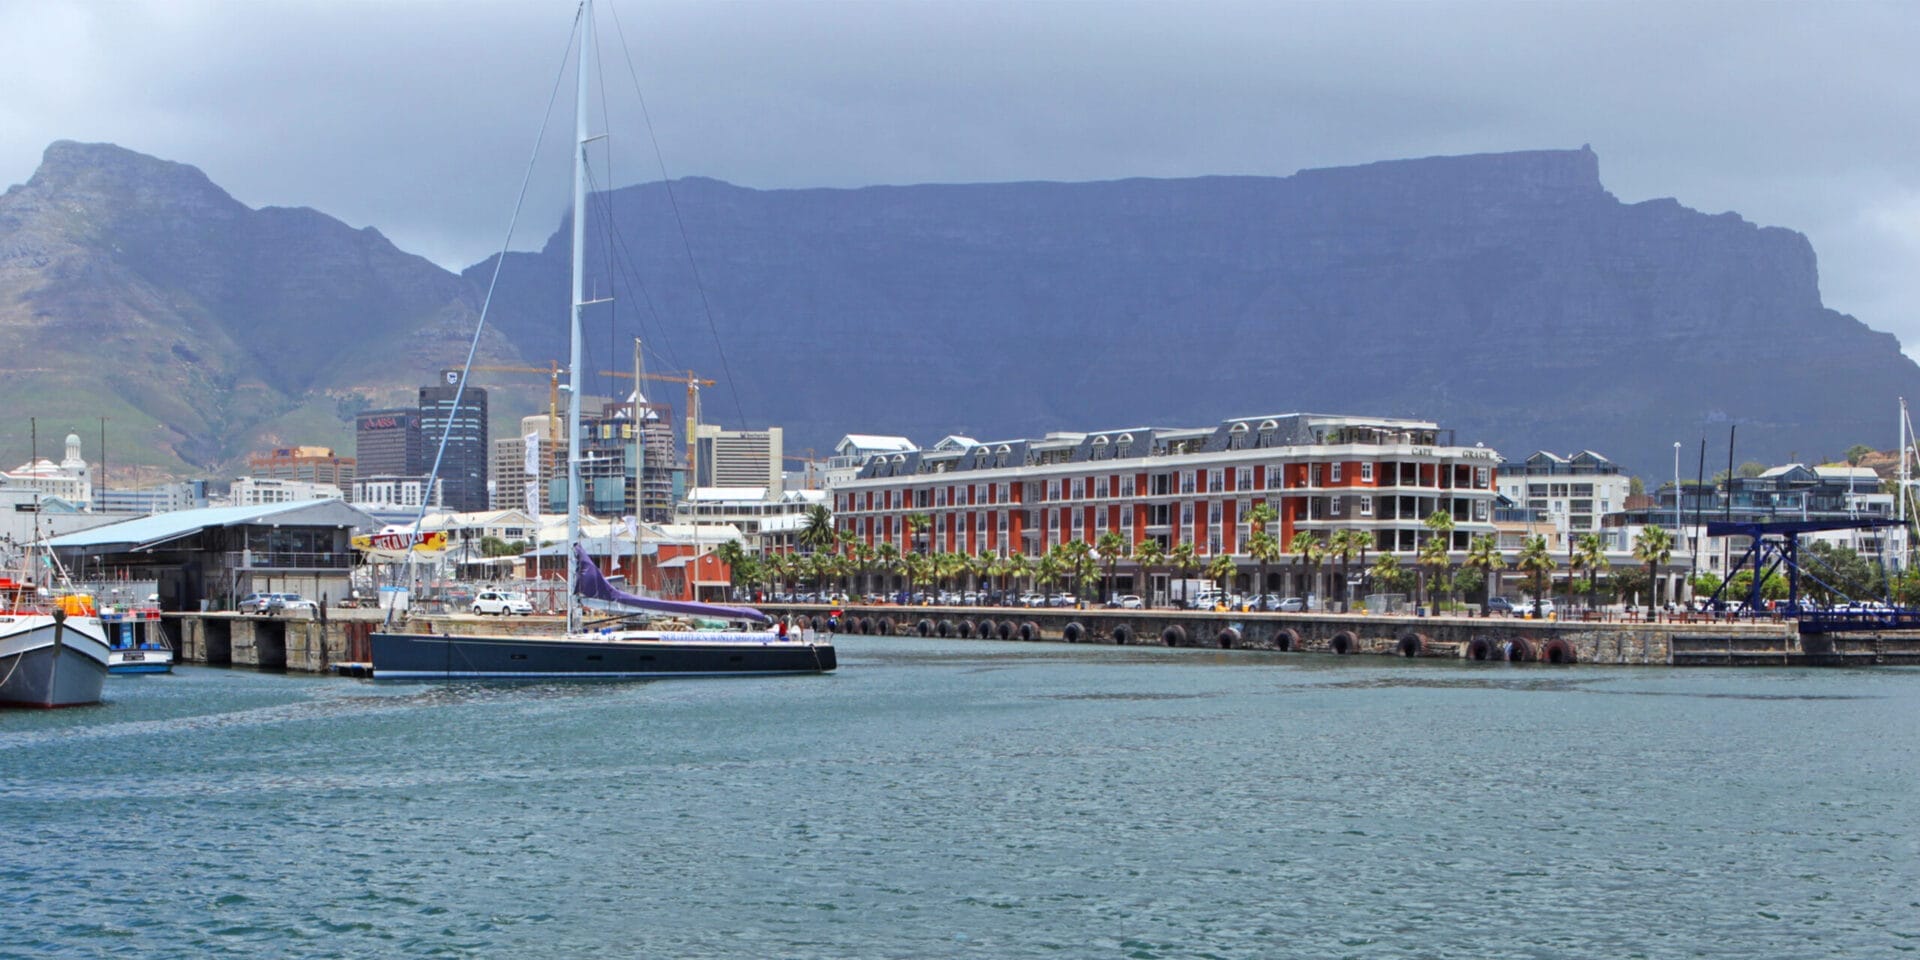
<point>1276,475</point>
<point>1053,520</point>
<point>1333,472</point>
<point>1186,514</point>
<point>1216,481</point>
<point>1366,506</point>
<point>1366,472</point>
<point>1213,511</point>
<point>1100,487</point>
<point>1333,506</point>
<point>1126,520</point>
<point>1100,521</point>
<point>1245,479</point>
<point>1053,489</point>
<point>1316,475</point>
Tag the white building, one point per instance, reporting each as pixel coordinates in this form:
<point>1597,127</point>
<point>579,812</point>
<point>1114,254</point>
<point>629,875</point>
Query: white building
<point>739,458</point>
<point>853,450</point>
<point>768,520</point>
<point>260,491</point>
<point>70,479</point>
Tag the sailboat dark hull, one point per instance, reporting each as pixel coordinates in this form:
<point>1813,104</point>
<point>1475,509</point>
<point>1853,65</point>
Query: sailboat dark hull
<point>408,656</point>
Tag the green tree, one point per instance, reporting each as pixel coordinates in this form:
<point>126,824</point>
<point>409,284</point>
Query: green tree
<point>1019,567</point>
<point>739,564</point>
<point>1483,554</point>
<point>1184,559</point>
<point>919,523</point>
<point>1387,573</point>
<point>1308,551</point>
<point>886,558</point>
<point>1653,546</point>
<point>947,569</point>
<point>1150,555</point>
<point>1857,453</point>
<point>1636,487</point>
<point>1113,549</point>
<point>1052,566</point>
<point>816,531</point>
<point>496,547</point>
<point>1590,554</point>
<point>1220,570</point>
<point>1434,562</point>
<point>1536,561</point>
<point>1343,546</point>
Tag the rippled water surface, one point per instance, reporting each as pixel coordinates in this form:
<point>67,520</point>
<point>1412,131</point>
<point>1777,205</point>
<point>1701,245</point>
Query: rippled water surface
<point>954,798</point>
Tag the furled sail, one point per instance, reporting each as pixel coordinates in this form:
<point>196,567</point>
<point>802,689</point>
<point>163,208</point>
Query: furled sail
<point>591,584</point>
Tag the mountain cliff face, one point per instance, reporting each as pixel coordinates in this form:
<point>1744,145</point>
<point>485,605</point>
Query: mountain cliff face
<point>1508,295</point>
<point>135,289</point>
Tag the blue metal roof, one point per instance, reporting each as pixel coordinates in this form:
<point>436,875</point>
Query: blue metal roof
<point>168,526</point>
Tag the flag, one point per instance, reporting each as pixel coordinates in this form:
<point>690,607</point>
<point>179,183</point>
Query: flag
<point>533,499</point>
<point>532,441</point>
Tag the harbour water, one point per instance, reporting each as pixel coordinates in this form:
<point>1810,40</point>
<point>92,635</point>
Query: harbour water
<point>957,798</point>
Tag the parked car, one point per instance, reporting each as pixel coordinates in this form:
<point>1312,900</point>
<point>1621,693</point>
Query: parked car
<point>276,603</point>
<point>1500,605</point>
<point>1537,608</point>
<point>1126,601</point>
<point>1291,605</point>
<point>1033,600</point>
<point>501,603</point>
<point>1062,600</point>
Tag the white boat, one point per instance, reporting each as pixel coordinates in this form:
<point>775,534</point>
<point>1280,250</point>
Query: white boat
<point>749,646</point>
<point>136,641</point>
<point>53,652</point>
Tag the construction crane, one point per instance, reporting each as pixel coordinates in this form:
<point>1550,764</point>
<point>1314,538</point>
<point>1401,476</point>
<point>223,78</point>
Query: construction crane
<point>808,472</point>
<point>552,370</point>
<point>693,384</point>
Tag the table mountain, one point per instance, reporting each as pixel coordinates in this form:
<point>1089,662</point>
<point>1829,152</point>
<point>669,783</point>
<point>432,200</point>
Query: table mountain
<point>1507,295</point>
<point>134,288</point>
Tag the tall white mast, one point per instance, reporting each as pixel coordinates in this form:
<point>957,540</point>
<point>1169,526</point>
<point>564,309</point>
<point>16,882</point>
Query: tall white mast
<point>579,297</point>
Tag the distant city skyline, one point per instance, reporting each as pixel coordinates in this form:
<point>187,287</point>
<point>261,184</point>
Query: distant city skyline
<point>417,119</point>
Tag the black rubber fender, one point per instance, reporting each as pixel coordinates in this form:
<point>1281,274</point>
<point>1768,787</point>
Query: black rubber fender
<point>1174,635</point>
<point>1073,632</point>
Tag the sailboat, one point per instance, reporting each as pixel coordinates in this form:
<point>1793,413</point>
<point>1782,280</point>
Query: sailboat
<point>747,643</point>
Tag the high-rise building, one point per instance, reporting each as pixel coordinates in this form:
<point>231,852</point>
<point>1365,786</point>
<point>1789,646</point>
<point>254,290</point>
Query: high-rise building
<point>387,443</point>
<point>463,466</point>
<point>738,458</point>
<point>510,476</point>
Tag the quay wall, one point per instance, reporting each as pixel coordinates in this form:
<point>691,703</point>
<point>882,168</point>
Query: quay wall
<point>319,644</point>
<point>1469,638</point>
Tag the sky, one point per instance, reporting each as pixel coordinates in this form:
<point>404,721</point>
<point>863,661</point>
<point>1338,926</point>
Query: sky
<point>419,118</point>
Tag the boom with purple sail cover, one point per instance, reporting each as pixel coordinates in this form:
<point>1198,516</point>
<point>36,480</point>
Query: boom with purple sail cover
<point>591,584</point>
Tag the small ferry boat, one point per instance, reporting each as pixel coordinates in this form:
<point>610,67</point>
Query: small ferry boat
<point>136,642</point>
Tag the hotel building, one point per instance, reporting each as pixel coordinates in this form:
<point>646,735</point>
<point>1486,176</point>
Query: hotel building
<point>1319,473</point>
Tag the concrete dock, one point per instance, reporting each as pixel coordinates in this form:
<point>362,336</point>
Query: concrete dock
<point>322,644</point>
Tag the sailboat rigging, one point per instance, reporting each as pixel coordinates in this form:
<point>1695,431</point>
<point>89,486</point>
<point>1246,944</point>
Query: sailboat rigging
<point>688,646</point>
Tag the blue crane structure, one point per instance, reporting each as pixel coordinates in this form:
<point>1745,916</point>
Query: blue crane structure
<point>1774,545</point>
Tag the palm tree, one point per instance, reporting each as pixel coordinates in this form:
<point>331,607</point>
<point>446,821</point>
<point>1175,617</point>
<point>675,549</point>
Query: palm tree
<point>1112,547</point>
<point>1590,555</point>
<point>948,566</point>
<point>1484,552</point>
<point>1653,546</point>
<point>1220,569</point>
<point>1536,560</point>
<point>863,557</point>
<point>1001,569</point>
<point>1261,545</point>
<point>1050,568</point>
<point>1078,563</point>
<point>1308,550</point>
<point>887,557</point>
<point>1387,572</point>
<point>817,533</point>
<point>1150,555</point>
<point>1264,549</point>
<point>1343,545</point>
<point>1440,523</point>
<point>916,523</point>
<point>982,567</point>
<point>1432,556</point>
<point>1019,567</point>
<point>740,570</point>
<point>1184,559</point>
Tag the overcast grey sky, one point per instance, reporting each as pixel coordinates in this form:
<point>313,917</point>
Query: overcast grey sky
<point>417,117</point>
